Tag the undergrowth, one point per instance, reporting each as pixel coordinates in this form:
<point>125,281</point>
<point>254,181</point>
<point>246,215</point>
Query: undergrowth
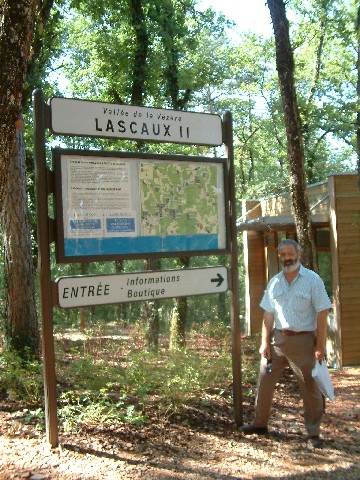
<point>20,379</point>
<point>112,381</point>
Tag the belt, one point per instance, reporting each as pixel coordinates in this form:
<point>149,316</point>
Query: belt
<point>292,333</point>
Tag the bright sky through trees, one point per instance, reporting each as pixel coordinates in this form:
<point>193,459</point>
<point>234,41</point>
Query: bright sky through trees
<point>250,15</point>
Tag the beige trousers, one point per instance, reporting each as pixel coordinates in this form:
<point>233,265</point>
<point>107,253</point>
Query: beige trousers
<point>299,352</point>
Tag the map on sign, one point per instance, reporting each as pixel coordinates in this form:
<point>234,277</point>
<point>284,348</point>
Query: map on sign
<point>178,199</point>
<point>110,204</point>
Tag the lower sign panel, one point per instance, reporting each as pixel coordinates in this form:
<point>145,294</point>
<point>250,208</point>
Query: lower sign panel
<point>81,291</point>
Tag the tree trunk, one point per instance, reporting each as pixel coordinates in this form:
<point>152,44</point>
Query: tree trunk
<point>120,308</point>
<point>139,73</point>
<point>179,315</point>
<point>177,327</point>
<point>152,312</point>
<point>169,33</point>
<point>21,320</point>
<point>311,155</point>
<point>17,21</point>
<point>16,32</point>
<point>358,95</point>
<point>295,149</point>
<point>152,324</point>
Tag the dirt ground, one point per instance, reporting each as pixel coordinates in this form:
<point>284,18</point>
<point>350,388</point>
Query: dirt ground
<point>195,444</point>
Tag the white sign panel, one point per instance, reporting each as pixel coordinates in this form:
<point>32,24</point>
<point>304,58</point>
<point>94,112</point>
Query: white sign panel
<point>97,119</point>
<point>89,290</point>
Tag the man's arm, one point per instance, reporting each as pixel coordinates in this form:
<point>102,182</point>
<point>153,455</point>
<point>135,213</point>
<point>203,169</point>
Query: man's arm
<point>322,323</point>
<point>268,322</point>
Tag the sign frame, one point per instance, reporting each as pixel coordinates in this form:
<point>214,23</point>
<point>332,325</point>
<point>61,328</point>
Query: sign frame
<point>63,257</point>
<point>45,186</point>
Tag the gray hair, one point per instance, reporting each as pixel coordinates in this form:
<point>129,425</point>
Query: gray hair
<point>288,242</point>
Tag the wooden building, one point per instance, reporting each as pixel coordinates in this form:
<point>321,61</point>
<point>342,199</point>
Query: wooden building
<point>335,213</point>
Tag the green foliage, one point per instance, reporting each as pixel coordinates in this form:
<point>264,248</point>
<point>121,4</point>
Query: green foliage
<point>47,46</point>
<point>250,361</point>
<point>215,329</point>
<point>21,379</point>
<point>98,409</point>
<point>177,377</point>
<point>89,373</point>
<point>173,378</point>
<point>113,381</point>
<point>36,416</point>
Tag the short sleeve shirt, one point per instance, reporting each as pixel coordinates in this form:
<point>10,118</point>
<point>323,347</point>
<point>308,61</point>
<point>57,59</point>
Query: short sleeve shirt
<point>295,306</point>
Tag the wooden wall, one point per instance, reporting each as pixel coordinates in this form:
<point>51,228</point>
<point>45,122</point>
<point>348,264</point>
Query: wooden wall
<point>345,236</point>
<point>255,268</point>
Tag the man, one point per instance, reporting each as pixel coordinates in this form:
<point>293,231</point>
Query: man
<point>294,332</point>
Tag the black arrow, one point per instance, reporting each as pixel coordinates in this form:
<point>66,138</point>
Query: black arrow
<point>219,279</point>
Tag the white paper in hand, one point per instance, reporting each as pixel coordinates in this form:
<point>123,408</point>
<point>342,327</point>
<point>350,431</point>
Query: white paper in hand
<point>321,375</point>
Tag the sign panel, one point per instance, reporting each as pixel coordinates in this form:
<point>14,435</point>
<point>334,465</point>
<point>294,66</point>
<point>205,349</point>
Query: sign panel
<point>89,290</point>
<point>97,119</point>
<point>109,204</point>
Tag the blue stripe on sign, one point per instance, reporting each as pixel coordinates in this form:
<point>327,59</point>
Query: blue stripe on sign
<point>136,245</point>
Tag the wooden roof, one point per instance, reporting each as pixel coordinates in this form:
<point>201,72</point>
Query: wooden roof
<point>274,213</point>
<point>279,222</point>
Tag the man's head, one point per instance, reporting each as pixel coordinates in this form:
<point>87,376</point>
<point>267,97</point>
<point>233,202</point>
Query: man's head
<point>289,253</point>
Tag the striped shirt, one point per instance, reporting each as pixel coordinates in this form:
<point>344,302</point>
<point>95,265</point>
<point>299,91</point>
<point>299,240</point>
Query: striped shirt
<point>295,306</point>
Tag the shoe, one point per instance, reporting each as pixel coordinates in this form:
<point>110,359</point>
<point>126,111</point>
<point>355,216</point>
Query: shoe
<point>251,430</point>
<point>314,441</point>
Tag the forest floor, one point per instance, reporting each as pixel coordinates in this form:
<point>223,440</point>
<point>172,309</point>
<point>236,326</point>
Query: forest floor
<point>195,443</point>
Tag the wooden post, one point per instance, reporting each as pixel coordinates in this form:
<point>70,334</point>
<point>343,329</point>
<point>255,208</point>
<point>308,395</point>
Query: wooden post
<point>234,287</point>
<point>43,237</point>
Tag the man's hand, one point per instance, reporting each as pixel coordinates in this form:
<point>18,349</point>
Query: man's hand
<point>320,353</point>
<point>322,322</point>
<point>264,350</point>
<point>268,322</point>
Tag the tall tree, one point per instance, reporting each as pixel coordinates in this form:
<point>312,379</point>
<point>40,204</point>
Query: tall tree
<point>358,93</point>
<point>179,315</point>
<point>16,34</point>
<point>139,73</point>
<point>173,30</point>
<point>20,307</point>
<point>20,304</point>
<point>295,146</point>
<point>324,47</point>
